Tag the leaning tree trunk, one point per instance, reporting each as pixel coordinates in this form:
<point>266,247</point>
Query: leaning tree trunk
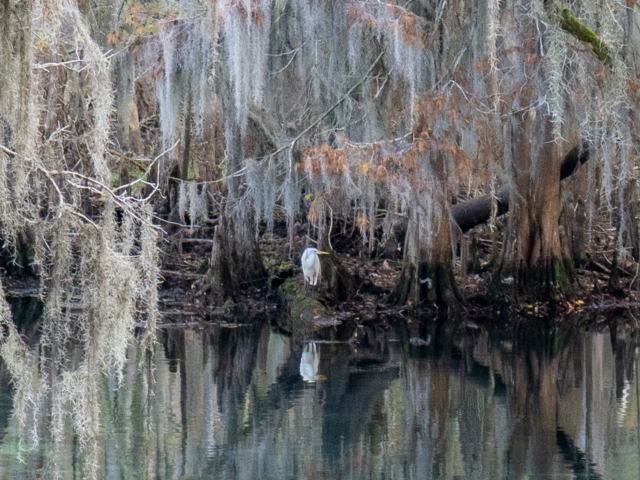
<point>479,210</point>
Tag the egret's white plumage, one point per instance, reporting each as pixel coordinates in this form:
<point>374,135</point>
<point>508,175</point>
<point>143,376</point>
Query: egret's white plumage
<point>311,265</point>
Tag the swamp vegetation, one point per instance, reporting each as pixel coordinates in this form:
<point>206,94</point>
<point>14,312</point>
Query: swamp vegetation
<point>180,155</point>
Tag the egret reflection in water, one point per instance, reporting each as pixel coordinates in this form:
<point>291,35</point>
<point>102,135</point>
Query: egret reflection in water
<point>309,363</point>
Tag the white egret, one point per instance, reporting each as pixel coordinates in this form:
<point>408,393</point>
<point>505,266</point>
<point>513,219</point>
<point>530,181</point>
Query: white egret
<point>311,264</point>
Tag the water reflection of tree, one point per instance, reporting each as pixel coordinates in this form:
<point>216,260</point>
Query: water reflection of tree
<point>230,403</point>
<point>514,402</point>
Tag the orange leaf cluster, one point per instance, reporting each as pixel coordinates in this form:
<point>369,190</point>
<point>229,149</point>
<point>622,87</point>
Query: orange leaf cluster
<point>139,20</point>
<point>324,157</point>
<point>361,221</point>
<point>633,90</point>
<point>426,110</point>
<point>257,15</point>
<point>314,208</point>
<point>483,65</point>
<point>410,25</point>
<point>358,13</point>
<point>112,37</point>
<point>411,28</point>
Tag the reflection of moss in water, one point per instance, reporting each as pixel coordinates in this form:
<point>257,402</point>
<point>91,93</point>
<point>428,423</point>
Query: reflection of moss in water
<point>26,312</point>
<point>138,404</point>
<point>7,443</point>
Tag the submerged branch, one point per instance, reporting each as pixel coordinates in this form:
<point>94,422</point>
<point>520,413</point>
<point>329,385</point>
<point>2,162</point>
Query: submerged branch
<point>475,212</point>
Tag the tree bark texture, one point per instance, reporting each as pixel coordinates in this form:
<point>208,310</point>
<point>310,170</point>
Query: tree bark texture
<point>430,278</point>
<point>245,250</point>
<point>532,254</point>
<point>340,285</point>
<point>222,281</point>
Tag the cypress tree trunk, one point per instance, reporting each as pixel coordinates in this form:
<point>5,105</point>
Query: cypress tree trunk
<point>245,251</point>
<point>223,284</point>
<point>429,278</point>
<point>533,258</point>
<point>339,282</point>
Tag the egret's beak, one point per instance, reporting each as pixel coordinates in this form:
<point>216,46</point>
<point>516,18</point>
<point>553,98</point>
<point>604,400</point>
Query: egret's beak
<point>323,253</point>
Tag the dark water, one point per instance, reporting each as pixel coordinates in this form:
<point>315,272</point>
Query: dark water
<point>464,402</point>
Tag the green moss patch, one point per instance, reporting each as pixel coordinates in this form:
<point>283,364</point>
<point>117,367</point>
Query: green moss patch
<point>302,307</point>
<point>282,273</point>
<point>575,27</point>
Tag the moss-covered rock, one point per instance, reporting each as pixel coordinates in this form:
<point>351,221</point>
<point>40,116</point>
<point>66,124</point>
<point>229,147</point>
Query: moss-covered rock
<point>302,307</point>
<point>282,273</point>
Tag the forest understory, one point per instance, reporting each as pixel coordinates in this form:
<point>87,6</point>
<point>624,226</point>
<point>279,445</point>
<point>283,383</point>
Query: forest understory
<point>600,283</point>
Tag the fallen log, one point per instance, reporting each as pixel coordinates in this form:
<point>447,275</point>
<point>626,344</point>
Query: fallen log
<point>475,212</point>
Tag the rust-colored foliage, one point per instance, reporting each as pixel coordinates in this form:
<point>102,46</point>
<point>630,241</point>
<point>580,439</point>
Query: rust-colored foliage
<point>257,15</point>
<point>324,158</point>
<point>425,110</point>
<point>368,16</point>
<point>483,65</point>
<point>373,163</point>
<point>314,208</point>
<point>411,28</point>
<point>140,20</point>
<point>358,13</point>
<point>633,90</point>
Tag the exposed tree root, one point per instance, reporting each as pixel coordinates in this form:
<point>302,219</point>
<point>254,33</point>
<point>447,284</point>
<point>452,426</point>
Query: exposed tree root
<point>544,280</point>
<point>426,284</point>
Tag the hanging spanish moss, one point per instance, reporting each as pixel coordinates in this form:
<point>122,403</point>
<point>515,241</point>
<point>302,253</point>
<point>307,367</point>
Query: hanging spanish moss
<point>254,126</point>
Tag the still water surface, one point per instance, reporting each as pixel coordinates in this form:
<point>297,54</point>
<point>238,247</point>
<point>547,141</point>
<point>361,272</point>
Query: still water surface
<point>462,402</point>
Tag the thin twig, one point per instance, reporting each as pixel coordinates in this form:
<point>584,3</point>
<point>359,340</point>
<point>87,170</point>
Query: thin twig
<point>239,173</point>
<point>288,63</point>
<point>324,115</point>
<point>131,184</point>
<point>117,198</point>
<point>9,152</point>
<point>330,226</point>
<point>44,66</point>
<point>55,185</point>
